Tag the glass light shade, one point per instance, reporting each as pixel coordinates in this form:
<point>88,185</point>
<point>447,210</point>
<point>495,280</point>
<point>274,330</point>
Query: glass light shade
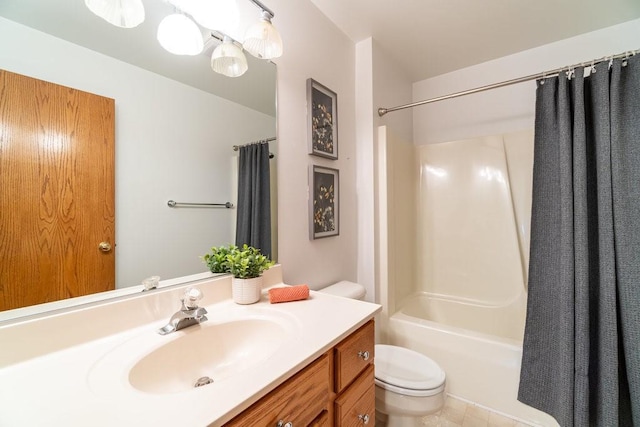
<point>228,59</point>
<point>220,15</point>
<point>121,13</point>
<point>180,35</point>
<point>262,40</point>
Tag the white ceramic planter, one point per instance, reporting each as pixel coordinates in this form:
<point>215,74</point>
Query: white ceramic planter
<point>246,291</point>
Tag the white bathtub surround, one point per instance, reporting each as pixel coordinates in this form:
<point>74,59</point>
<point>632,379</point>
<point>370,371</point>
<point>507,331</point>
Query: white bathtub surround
<point>469,233</point>
<point>466,307</point>
<point>71,368</point>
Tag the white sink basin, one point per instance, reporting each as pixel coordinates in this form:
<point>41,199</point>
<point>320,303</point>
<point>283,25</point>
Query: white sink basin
<point>215,351</point>
<point>225,345</point>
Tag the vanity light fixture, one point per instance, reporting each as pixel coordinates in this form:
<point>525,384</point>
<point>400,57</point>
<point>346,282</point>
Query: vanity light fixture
<point>228,59</point>
<point>262,40</point>
<point>121,13</point>
<point>180,35</point>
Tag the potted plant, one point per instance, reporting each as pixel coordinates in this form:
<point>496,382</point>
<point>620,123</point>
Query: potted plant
<point>246,264</point>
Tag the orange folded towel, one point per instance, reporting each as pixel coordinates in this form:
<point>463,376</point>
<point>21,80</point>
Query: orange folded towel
<point>289,293</point>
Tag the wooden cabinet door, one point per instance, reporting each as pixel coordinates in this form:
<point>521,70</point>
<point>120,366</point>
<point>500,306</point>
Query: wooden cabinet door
<point>356,406</point>
<point>353,355</point>
<point>57,192</point>
<point>299,401</point>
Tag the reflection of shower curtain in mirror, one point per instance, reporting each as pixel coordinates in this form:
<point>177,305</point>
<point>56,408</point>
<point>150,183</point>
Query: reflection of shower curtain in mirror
<point>254,199</point>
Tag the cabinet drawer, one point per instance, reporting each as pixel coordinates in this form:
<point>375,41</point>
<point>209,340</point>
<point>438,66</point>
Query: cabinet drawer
<point>353,355</point>
<point>322,420</point>
<point>356,406</point>
<point>298,401</point>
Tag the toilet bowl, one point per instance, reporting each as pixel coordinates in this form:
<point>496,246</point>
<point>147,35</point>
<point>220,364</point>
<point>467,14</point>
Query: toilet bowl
<point>409,385</point>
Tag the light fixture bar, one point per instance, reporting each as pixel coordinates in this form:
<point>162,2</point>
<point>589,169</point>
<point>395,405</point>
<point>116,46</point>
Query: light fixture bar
<point>219,35</point>
<point>263,7</point>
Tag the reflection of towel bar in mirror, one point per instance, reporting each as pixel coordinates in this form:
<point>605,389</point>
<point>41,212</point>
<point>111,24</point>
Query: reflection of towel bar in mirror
<point>174,204</point>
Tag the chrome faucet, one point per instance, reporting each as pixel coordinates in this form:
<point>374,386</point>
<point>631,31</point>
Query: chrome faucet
<point>190,314</point>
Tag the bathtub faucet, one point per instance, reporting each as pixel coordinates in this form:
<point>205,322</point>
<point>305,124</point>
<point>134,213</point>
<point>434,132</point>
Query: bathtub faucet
<point>190,314</point>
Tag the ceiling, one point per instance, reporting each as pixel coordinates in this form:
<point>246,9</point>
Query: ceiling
<point>432,37</point>
<point>425,37</point>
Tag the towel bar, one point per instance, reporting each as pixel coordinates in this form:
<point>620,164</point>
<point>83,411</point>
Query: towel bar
<point>173,204</point>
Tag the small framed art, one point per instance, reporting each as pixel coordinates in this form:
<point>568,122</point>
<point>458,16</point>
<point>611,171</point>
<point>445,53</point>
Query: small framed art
<point>322,117</point>
<point>324,202</point>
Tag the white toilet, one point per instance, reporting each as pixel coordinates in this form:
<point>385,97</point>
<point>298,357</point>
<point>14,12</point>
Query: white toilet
<point>409,385</point>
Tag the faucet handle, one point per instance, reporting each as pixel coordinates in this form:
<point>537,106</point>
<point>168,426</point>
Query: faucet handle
<point>191,297</point>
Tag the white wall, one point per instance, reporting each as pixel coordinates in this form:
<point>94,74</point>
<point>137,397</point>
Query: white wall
<point>510,108</point>
<point>368,252</point>
<point>378,82</point>
<point>313,48</point>
<point>172,142</point>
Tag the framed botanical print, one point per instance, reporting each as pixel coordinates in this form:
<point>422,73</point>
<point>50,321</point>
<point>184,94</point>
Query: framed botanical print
<point>322,118</point>
<point>324,202</point>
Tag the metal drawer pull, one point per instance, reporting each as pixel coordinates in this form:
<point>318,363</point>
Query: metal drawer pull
<point>290,424</point>
<point>364,418</point>
<point>364,355</point>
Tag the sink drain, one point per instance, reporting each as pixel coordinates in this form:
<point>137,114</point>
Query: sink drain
<point>203,381</point>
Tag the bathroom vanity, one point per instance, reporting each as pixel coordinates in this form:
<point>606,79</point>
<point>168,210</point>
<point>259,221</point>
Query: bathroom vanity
<point>336,389</point>
<point>305,363</point>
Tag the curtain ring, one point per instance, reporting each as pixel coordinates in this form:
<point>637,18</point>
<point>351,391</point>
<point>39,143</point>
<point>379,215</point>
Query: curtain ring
<point>571,72</point>
<point>625,60</point>
<point>593,67</point>
<point>544,77</point>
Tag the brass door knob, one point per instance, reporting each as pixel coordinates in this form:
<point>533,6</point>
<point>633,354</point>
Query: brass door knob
<point>104,246</point>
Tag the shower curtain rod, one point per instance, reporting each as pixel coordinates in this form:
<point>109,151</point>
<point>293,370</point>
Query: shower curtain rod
<point>237,147</point>
<point>262,141</point>
<point>552,73</point>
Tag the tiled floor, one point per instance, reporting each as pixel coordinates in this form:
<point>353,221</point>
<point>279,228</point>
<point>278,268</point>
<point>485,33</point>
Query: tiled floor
<point>457,413</point>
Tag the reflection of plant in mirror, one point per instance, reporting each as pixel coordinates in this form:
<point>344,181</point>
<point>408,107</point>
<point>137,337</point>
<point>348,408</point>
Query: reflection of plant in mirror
<point>216,260</point>
<point>244,263</point>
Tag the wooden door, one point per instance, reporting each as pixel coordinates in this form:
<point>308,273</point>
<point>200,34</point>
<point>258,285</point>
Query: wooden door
<point>56,192</point>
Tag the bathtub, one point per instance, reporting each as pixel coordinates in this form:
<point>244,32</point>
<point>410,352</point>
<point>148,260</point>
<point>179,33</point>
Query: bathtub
<point>478,346</point>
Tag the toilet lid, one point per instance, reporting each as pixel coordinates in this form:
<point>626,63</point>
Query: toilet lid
<point>408,369</point>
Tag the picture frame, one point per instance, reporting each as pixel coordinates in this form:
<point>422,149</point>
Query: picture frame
<point>322,120</point>
<point>324,202</point>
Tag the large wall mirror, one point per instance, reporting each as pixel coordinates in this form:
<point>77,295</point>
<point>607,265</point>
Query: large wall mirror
<point>176,123</point>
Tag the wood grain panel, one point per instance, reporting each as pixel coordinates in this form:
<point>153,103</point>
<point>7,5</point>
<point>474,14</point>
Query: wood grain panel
<point>357,402</point>
<point>348,363</point>
<point>322,420</point>
<point>299,400</point>
<point>57,198</point>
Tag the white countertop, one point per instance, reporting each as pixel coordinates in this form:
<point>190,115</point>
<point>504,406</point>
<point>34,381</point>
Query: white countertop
<point>84,381</point>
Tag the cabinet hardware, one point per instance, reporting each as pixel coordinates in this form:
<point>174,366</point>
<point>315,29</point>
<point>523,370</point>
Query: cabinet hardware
<point>364,418</point>
<point>364,355</point>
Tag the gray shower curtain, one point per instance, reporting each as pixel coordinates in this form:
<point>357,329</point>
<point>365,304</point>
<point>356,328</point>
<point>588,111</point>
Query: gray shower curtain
<point>581,355</point>
<point>253,225</point>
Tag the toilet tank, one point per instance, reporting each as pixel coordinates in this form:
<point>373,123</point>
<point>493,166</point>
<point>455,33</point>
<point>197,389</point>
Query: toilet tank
<point>345,289</point>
